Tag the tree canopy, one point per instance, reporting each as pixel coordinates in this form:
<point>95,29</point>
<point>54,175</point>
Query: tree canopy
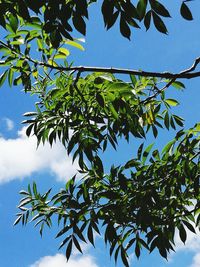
<point>142,202</point>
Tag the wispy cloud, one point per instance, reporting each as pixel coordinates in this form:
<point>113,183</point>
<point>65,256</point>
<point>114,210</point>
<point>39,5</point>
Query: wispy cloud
<point>196,260</point>
<point>59,260</point>
<point>19,158</point>
<point>9,124</point>
<point>191,245</point>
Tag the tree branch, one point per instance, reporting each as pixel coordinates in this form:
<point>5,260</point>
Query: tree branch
<point>185,74</point>
<point>166,75</point>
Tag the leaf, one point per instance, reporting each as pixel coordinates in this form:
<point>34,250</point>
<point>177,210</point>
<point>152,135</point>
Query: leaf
<point>147,20</point>
<point>168,146</point>
<point>64,51</point>
<point>112,19</point>
<point>124,257</point>
<point>119,86</point>
<point>76,243</point>
<point>155,131</point>
<point>17,220</point>
<point>10,76</point>
<point>146,153</point>
<point>185,12</point>
<point>133,79</point>
<point>178,85</point>
<point>3,77</point>
<point>90,235</point>
<point>139,153</point>
<point>69,250</point>
<point>172,102</point>
<point>159,24</point>
<point>13,22</point>
<point>141,8</point>
<point>166,120</point>
<point>100,100</point>
<point>159,8</point>
<point>189,226</point>
<point>137,248</point>
<point>182,233</point>
<point>75,44</point>
<point>124,28</point>
<point>35,189</point>
<point>79,23</point>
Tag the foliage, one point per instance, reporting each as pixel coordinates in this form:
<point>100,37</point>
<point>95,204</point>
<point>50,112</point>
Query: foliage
<point>156,192</point>
<point>61,16</point>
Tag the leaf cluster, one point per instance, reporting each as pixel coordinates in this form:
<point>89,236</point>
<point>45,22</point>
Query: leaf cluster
<point>59,18</point>
<point>136,205</point>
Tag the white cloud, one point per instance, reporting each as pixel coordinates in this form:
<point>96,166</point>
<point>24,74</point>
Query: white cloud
<point>9,124</point>
<point>19,158</point>
<point>196,261</point>
<point>59,260</point>
<point>192,243</point>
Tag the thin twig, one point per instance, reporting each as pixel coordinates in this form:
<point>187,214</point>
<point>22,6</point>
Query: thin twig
<point>159,91</point>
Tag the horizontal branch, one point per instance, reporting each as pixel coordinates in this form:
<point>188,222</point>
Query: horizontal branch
<point>185,74</point>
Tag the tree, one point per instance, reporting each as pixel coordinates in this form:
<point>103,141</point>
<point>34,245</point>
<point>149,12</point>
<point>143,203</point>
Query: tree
<point>155,192</point>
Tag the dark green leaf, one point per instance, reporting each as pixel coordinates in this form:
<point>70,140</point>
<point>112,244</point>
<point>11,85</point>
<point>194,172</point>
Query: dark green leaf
<point>141,8</point>
<point>185,12</point>
<point>69,250</point>
<point>159,24</point>
<point>182,233</point>
<point>124,28</point>
<point>159,8</point>
<point>147,20</point>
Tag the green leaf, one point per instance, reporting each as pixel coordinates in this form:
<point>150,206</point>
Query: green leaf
<point>119,86</point>
<point>189,226</point>
<point>100,99</point>
<point>13,22</point>
<point>35,189</point>
<point>76,243</point>
<point>75,44</point>
<point>79,23</point>
<point>172,102</point>
<point>159,8</point>
<point>69,250</point>
<point>124,28</point>
<point>147,20</point>
<point>10,76</point>
<point>133,79</point>
<point>17,220</point>
<point>146,153</point>
<point>166,120</point>
<point>139,152</point>
<point>168,147</point>
<point>141,8</point>
<point>159,24</point>
<point>63,51</point>
<point>124,257</point>
<point>90,235</point>
<point>182,233</point>
<point>178,85</point>
<point>137,249</point>
<point>3,77</point>
<point>185,12</point>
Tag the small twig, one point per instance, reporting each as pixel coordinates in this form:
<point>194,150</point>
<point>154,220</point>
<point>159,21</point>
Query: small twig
<point>158,92</point>
<point>195,155</point>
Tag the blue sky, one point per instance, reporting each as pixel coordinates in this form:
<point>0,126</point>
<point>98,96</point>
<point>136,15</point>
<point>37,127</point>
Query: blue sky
<point>21,163</point>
